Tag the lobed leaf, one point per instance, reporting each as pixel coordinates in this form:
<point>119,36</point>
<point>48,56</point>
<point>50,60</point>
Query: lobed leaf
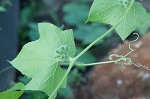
<point>112,11</point>
<point>40,59</point>
<point>40,54</point>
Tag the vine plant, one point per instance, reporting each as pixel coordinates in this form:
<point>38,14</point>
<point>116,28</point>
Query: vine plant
<point>41,59</point>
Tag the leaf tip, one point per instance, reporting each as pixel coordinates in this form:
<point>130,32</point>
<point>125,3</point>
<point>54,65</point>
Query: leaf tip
<point>123,38</point>
<point>11,62</point>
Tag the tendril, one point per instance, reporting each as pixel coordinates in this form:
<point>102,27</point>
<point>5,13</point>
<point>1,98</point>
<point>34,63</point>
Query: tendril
<point>132,49</point>
<point>123,59</point>
<point>140,66</point>
<point>133,41</point>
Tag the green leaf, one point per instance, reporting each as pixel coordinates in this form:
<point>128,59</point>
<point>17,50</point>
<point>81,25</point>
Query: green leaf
<point>66,93</point>
<point>12,93</point>
<point>26,15</point>
<point>40,54</point>
<point>49,79</point>
<point>32,33</point>
<point>18,86</point>
<point>144,28</point>
<point>2,9</point>
<point>35,95</point>
<point>72,12</point>
<point>89,32</point>
<point>112,11</point>
<point>40,58</point>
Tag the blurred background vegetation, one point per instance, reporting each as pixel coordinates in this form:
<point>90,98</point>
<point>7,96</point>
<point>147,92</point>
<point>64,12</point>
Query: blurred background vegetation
<point>66,14</point>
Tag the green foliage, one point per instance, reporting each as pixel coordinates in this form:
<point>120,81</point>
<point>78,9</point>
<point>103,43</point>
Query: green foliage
<point>87,57</point>
<point>40,60</point>
<point>144,28</point>
<point>74,11</point>
<point>2,9</point>
<point>34,95</point>
<point>31,94</point>
<point>33,31</point>
<point>12,93</point>
<point>112,11</point>
<point>86,33</point>
<point>18,86</point>
<point>44,49</point>
<point>66,93</point>
<point>4,4</point>
<point>44,62</point>
<point>28,30</point>
<point>49,79</point>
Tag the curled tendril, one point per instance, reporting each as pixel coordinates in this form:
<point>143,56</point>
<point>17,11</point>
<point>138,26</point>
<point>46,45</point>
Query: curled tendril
<point>133,41</point>
<point>120,59</point>
<point>123,59</point>
<point>132,49</point>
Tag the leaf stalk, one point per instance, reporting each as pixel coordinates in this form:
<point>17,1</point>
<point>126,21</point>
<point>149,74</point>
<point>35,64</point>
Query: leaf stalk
<point>73,60</point>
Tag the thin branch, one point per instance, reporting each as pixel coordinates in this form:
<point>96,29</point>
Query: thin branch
<point>5,69</point>
<point>90,64</point>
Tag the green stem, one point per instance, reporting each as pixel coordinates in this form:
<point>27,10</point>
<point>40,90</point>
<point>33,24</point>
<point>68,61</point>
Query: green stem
<point>97,40</point>
<point>129,53</point>
<point>93,43</point>
<point>5,69</point>
<point>98,63</point>
<point>72,60</point>
<point>64,77</point>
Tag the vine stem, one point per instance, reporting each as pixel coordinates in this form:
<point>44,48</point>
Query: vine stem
<point>97,40</point>
<point>64,77</point>
<point>98,63</point>
<point>5,69</point>
<point>89,64</point>
<point>93,43</point>
<point>73,60</point>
